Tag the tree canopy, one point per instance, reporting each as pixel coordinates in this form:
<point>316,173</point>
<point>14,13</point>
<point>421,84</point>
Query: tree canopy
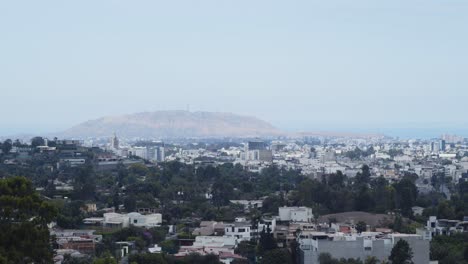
<point>23,223</point>
<point>401,253</point>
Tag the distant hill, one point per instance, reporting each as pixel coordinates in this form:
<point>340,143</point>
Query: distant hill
<point>174,124</point>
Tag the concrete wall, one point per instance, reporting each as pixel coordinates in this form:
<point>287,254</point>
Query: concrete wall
<point>361,249</point>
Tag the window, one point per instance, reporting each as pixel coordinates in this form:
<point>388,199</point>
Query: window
<point>135,221</point>
<point>241,230</point>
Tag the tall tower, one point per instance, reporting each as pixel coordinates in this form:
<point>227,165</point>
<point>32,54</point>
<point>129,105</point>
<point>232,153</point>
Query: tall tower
<point>115,142</point>
<point>442,145</point>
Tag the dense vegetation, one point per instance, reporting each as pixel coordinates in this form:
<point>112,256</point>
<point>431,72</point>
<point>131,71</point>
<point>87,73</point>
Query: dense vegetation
<point>23,223</point>
<point>326,258</point>
<point>181,190</point>
<point>450,249</point>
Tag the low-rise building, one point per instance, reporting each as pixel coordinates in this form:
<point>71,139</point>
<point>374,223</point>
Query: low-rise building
<point>208,228</point>
<point>150,220</point>
<point>221,246</point>
<point>83,241</point>
<point>239,230</point>
<point>155,249</point>
<point>89,207</point>
<point>116,220</point>
<point>296,214</point>
<point>445,226</point>
<point>73,162</point>
<point>417,210</point>
<point>249,204</point>
<point>135,219</point>
<point>360,246</point>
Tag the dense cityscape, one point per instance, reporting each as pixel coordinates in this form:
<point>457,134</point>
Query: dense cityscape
<point>313,199</point>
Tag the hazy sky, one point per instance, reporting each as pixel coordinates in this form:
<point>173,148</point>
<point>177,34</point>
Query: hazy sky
<point>301,65</point>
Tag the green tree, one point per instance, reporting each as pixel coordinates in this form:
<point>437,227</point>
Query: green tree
<point>271,204</point>
<point>17,143</point>
<point>246,249</point>
<point>277,256</point>
<point>361,227</point>
<point>198,259</point>
<point>240,261</point>
<point>294,247</point>
<point>401,253</point>
<point>450,249</point>
<point>130,203</point>
<point>363,200</point>
<point>169,246</point>
<point>363,177</point>
<point>67,259</point>
<point>398,224</point>
<point>267,241</point>
<point>158,234</point>
<point>84,183</point>
<point>6,146</point>
<point>371,260</point>
<point>405,196</point>
<point>326,258</point>
<point>221,192</point>
<point>70,214</point>
<point>139,242</point>
<point>445,210</point>
<point>147,258</point>
<point>138,169</point>
<point>381,195</point>
<point>108,259</point>
<point>23,223</point>
<point>37,141</point>
<point>116,200</point>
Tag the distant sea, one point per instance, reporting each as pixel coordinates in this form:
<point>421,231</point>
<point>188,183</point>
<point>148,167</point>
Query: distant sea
<point>400,131</point>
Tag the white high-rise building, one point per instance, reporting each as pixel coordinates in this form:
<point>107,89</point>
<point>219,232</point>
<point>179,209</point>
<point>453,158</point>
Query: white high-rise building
<point>115,144</point>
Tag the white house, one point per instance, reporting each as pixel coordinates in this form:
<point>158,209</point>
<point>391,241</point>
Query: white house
<point>248,204</point>
<point>116,220</point>
<point>155,249</point>
<point>240,230</point>
<point>215,241</point>
<point>296,214</point>
<point>267,223</point>
<point>222,246</point>
<point>444,226</point>
<point>73,162</point>
<point>135,219</point>
<point>140,220</point>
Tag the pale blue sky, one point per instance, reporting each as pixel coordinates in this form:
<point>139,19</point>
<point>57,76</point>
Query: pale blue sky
<point>374,66</point>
